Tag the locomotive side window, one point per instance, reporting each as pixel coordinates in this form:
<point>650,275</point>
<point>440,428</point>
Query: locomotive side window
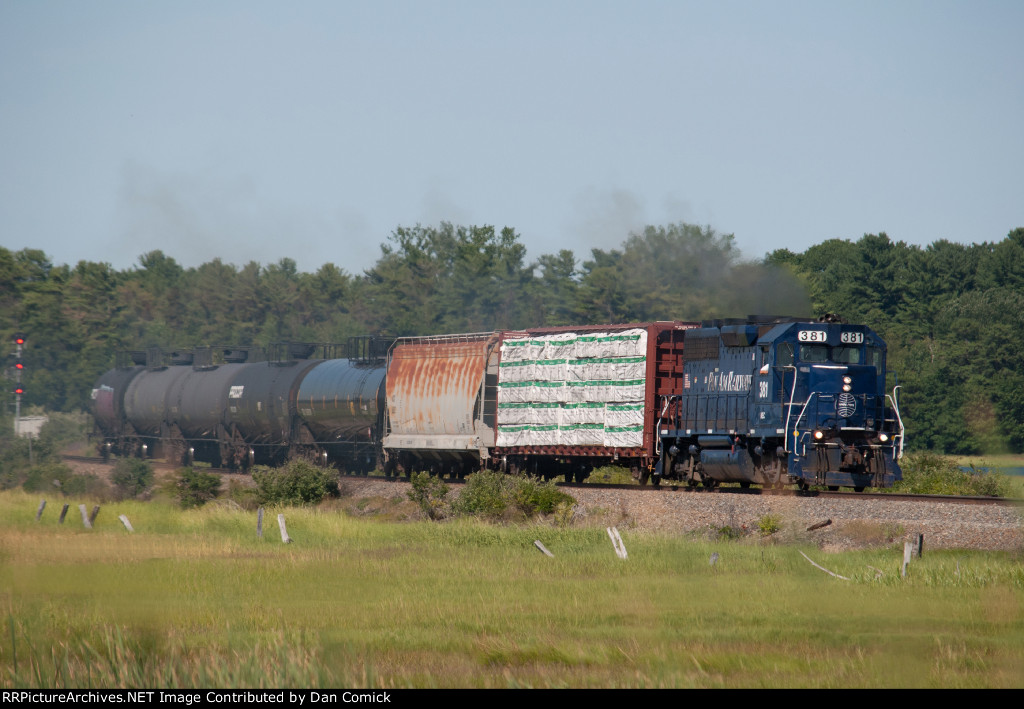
<point>875,358</point>
<point>784,355</point>
<point>813,353</point>
<point>846,354</point>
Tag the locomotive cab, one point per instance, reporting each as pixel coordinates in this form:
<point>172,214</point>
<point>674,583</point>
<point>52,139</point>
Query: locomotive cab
<point>788,401</point>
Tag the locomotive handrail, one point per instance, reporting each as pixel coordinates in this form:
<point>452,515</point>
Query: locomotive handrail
<point>899,419</point>
<point>799,418</point>
<point>789,410</point>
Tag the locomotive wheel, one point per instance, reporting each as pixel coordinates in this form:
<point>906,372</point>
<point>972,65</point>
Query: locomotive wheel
<point>644,475</point>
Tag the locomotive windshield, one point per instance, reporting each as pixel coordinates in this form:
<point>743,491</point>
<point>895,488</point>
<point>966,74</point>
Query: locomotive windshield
<point>841,354</point>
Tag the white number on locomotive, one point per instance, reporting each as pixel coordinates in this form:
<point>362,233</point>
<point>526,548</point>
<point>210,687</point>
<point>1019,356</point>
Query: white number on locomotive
<point>812,336</point>
<point>851,338</point>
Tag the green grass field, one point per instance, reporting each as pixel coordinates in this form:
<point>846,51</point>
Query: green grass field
<point>193,598</point>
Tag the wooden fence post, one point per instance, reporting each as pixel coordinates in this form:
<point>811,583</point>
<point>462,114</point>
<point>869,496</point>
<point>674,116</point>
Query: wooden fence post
<point>259,523</point>
<point>63,512</point>
<point>126,523</point>
<point>92,517</point>
<point>85,517</point>
<point>39,512</point>
<point>620,548</point>
<point>908,551</point>
<point>536,543</point>
<point>284,532</point>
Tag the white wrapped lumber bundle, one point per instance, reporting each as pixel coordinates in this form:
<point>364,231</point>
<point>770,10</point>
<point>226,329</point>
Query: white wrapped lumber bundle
<point>573,389</point>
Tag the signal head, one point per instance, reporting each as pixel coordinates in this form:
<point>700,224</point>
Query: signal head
<point>19,339</point>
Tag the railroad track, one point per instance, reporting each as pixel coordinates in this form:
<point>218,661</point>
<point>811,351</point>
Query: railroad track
<point>652,489</point>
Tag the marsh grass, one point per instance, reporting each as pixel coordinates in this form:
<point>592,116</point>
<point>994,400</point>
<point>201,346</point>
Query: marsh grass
<point>194,599</point>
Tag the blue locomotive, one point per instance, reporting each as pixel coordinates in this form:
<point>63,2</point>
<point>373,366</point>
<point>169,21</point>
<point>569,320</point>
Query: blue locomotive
<point>782,401</point>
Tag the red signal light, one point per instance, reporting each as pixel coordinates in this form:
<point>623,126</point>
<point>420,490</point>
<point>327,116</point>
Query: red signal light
<point>19,365</point>
<point>19,339</point>
<point>19,390</point>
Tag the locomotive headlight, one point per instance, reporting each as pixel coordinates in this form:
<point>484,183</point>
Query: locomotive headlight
<point>847,387</point>
<point>819,434</point>
<point>883,437</point>
<point>847,380</point>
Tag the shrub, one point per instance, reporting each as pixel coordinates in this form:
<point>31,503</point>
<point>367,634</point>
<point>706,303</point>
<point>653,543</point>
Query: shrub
<point>299,482</point>
<point>927,473</point>
<point>495,495</point>
<point>46,477</point>
<point>769,524</point>
<point>728,532</point>
<point>131,477</point>
<point>84,484</point>
<point>428,492</point>
<point>57,477</point>
<point>195,488</point>
<point>65,430</point>
<point>611,475</point>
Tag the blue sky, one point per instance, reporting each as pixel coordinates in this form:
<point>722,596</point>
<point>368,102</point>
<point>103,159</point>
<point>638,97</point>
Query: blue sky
<point>257,130</point>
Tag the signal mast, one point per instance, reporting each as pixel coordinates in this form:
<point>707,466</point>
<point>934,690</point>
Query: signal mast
<point>19,366</point>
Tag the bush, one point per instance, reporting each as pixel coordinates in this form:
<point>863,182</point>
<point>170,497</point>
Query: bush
<point>195,488</point>
<point>84,484</point>
<point>611,475</point>
<point>729,533</point>
<point>428,492</point>
<point>57,477</point>
<point>495,495</point>
<point>65,430</point>
<point>299,482</point>
<point>769,524</point>
<point>131,477</point>
<point>46,477</point>
<point>927,473</point>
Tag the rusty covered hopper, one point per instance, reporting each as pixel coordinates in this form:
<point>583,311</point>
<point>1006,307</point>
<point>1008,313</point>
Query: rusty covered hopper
<point>438,398</point>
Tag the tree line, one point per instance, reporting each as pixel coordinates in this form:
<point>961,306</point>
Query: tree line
<point>950,313</point>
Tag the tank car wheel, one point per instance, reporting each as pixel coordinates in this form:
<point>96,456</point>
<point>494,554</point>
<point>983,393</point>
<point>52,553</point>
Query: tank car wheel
<point>858,488</point>
<point>833,488</point>
<point>710,483</point>
<point>745,484</point>
<point>656,480</point>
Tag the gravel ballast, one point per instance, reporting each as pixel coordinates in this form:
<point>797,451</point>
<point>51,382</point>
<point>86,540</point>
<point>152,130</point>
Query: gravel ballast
<point>855,521</point>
